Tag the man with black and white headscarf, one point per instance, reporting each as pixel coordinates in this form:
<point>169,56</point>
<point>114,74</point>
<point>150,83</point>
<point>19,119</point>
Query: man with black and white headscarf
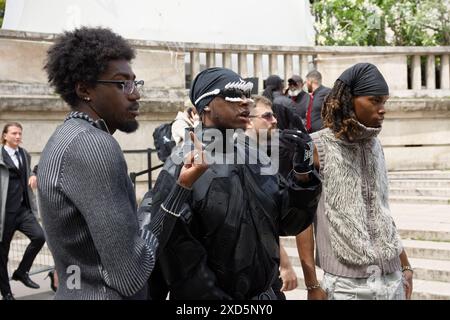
<point>225,244</point>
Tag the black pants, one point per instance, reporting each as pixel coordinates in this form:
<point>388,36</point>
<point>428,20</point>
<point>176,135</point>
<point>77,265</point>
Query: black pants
<point>25,222</point>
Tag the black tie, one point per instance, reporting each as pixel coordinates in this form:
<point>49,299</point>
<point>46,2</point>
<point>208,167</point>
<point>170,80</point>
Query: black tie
<point>19,159</point>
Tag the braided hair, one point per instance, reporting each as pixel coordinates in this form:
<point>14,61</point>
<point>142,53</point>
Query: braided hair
<point>338,112</point>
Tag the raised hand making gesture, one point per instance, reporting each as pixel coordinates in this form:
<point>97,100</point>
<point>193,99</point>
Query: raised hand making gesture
<point>194,164</point>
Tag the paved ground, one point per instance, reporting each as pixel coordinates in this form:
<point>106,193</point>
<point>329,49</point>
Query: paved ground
<point>24,293</point>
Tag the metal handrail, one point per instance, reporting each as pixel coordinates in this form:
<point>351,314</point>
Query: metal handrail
<point>148,171</point>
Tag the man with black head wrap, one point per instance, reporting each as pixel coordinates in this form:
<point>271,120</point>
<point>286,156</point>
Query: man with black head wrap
<point>357,243</point>
<point>225,244</point>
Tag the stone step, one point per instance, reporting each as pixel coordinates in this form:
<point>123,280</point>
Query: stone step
<point>427,174</point>
<point>430,290</point>
<point>420,192</point>
<point>424,269</point>
<point>418,222</point>
<point>422,221</point>
<point>419,183</point>
<point>414,248</point>
<point>424,235</point>
<point>422,289</point>
<point>419,200</point>
<point>427,249</point>
<point>431,270</point>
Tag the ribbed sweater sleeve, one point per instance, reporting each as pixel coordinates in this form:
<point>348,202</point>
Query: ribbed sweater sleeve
<point>94,177</point>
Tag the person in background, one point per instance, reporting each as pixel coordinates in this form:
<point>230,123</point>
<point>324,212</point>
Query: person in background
<point>274,91</point>
<point>282,106</point>
<point>317,92</point>
<point>18,209</point>
<point>184,120</point>
<point>263,122</point>
<point>298,95</point>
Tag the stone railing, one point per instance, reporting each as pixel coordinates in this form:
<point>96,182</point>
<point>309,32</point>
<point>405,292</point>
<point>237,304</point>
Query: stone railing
<point>410,71</point>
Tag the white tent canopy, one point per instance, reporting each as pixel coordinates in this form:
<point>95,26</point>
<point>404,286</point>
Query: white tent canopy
<point>260,22</point>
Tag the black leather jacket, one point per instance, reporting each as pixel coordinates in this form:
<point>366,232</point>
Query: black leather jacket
<point>225,244</point>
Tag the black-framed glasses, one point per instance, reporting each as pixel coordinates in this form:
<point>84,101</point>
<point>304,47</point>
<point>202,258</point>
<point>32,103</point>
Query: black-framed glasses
<point>128,86</point>
<point>266,115</point>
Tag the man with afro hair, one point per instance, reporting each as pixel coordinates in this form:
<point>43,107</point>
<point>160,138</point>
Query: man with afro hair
<point>86,198</point>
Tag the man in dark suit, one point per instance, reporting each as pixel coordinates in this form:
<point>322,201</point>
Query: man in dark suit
<point>17,208</point>
<point>318,93</point>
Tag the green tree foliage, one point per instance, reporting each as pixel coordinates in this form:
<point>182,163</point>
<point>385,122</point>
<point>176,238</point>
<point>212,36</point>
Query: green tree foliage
<point>2,11</point>
<point>382,22</point>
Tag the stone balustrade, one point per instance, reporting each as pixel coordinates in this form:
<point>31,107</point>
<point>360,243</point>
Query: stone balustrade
<point>410,71</point>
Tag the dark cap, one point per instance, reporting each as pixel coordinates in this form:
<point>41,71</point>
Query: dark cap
<point>295,79</point>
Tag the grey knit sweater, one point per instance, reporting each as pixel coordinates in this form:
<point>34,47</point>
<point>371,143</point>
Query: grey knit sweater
<point>88,207</point>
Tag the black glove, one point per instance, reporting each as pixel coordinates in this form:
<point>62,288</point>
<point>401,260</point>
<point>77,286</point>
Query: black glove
<point>303,148</point>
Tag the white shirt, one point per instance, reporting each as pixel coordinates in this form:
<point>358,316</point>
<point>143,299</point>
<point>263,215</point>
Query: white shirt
<point>12,155</point>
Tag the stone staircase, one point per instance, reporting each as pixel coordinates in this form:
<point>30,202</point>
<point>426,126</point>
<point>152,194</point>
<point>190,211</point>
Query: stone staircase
<point>423,220</point>
<point>430,187</point>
